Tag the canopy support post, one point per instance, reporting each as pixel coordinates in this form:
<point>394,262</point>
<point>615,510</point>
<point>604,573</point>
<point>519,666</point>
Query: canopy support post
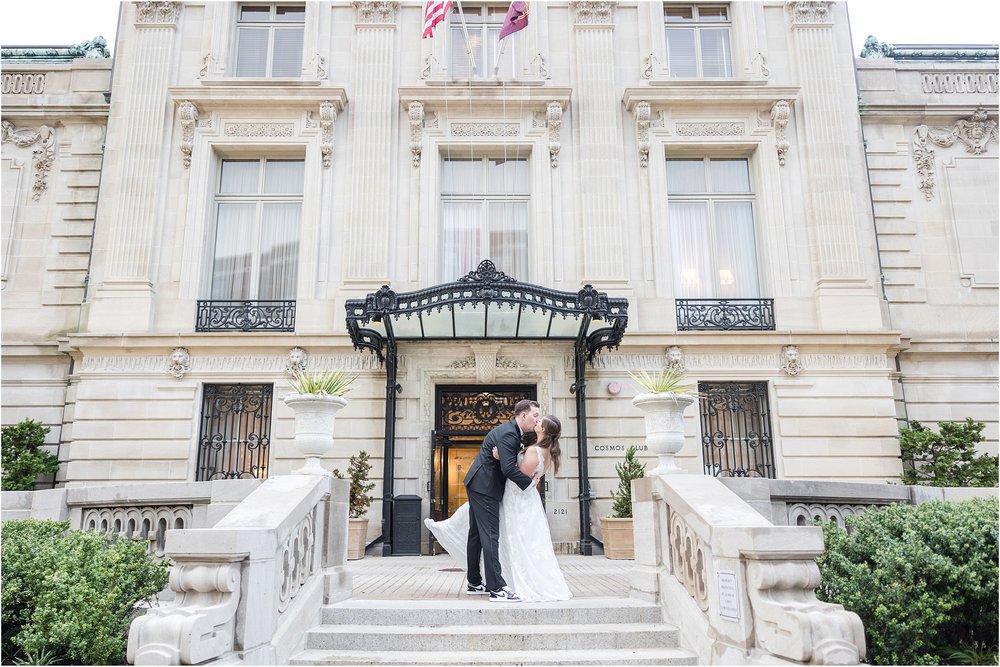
<point>580,390</point>
<point>389,453</point>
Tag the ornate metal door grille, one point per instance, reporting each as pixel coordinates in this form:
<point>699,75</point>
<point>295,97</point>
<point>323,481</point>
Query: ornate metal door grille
<point>235,432</point>
<point>736,429</point>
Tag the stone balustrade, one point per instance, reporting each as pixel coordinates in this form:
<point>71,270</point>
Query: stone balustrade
<point>249,588</point>
<point>740,588</point>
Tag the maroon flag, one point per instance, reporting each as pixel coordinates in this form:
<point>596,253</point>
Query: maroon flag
<point>434,13</point>
<point>516,19</point>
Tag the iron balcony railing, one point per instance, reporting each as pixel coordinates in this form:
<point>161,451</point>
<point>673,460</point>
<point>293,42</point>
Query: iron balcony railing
<point>725,314</point>
<point>245,315</point>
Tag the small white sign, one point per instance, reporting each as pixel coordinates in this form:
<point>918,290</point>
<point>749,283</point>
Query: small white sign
<point>729,596</point>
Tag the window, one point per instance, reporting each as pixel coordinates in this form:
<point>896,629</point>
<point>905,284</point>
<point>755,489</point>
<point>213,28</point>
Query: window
<point>484,204</point>
<point>736,429</point>
<point>483,23</point>
<point>698,40</point>
<point>710,212</point>
<point>235,432</point>
<point>269,40</point>
<point>259,204</point>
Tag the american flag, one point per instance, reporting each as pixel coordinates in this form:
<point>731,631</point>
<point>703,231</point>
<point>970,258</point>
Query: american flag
<point>435,11</point>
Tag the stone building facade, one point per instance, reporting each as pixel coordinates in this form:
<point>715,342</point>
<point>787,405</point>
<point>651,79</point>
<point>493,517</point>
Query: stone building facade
<point>265,164</point>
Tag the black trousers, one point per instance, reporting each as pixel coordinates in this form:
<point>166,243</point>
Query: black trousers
<point>484,538</point>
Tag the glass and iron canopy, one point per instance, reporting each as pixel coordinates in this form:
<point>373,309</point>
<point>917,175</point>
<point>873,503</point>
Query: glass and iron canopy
<point>487,304</point>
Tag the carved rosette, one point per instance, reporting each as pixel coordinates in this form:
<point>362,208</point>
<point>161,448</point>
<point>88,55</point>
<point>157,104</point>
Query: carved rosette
<point>642,111</point>
<point>553,118</point>
<point>187,112</point>
<point>588,12</point>
<point>975,133</point>
<point>157,13</point>
<point>327,117</point>
<point>42,156</point>
<point>779,119</point>
<point>416,113</point>
<point>377,12</point>
<point>810,12</point>
<point>687,560</point>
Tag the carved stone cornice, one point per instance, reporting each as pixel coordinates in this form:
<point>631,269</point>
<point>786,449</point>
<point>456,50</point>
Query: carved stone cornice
<point>642,111</point>
<point>779,119</point>
<point>42,157</point>
<point>975,133</point>
<point>157,13</point>
<point>416,115</point>
<point>809,13</point>
<point>188,115</point>
<point>594,13</point>
<point>553,117</point>
<point>375,13</point>
<point>327,118</point>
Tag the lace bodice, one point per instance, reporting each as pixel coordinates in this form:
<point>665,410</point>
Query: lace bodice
<point>540,468</point>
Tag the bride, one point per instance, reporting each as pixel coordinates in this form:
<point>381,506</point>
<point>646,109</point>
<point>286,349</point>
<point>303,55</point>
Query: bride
<point>527,559</point>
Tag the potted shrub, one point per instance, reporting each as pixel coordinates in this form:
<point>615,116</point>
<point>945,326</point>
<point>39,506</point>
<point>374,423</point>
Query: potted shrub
<point>666,397</point>
<point>619,543</point>
<point>316,400</point>
<point>360,501</point>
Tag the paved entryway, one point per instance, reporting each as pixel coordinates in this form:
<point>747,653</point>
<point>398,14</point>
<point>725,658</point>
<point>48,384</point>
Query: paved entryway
<point>441,578</point>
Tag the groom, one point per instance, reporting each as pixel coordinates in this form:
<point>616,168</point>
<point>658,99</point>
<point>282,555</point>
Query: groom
<point>485,485</point>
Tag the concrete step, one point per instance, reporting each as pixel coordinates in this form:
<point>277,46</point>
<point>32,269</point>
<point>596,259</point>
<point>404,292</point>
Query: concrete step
<point>642,656</point>
<point>517,638</point>
<point>477,610</point>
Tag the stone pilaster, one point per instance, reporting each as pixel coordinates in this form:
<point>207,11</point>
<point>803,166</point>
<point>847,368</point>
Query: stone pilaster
<point>129,212</point>
<point>374,107</point>
<point>597,124</point>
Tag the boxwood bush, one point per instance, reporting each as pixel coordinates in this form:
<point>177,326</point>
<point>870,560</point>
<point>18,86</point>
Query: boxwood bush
<point>69,596</point>
<point>922,578</point>
<point>22,457</point>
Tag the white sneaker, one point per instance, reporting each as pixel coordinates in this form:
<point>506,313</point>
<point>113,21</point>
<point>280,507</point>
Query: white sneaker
<point>504,595</point>
<point>478,589</point>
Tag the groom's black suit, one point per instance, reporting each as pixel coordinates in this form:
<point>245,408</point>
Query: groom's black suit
<point>485,483</point>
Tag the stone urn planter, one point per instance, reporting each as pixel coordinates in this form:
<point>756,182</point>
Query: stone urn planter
<point>664,416</point>
<point>314,419</point>
<point>357,536</point>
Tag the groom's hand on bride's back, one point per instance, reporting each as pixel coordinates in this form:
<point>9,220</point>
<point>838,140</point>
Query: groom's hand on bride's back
<point>496,454</point>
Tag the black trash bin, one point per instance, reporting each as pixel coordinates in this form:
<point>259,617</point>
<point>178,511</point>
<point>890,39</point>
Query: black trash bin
<point>406,526</point>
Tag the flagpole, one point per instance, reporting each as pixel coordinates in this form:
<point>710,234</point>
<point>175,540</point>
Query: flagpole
<point>496,65</point>
<point>468,46</point>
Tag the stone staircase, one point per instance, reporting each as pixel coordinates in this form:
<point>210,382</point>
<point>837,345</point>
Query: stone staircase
<point>590,631</point>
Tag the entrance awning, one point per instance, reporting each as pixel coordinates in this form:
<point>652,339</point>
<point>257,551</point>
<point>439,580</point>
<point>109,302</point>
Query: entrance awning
<point>486,304</point>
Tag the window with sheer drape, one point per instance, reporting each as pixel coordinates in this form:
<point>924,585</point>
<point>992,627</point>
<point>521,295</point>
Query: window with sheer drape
<point>258,214</point>
<point>483,23</point>
<point>484,215</point>
<point>710,216</point>
<point>698,43</point>
<point>269,40</point>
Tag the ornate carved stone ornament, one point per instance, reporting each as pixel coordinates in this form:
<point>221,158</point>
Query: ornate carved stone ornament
<point>764,71</point>
<point>23,83</point>
<point>649,64</point>
<point>298,361</point>
<point>710,129</point>
<point>779,119</point>
<point>319,66</point>
<point>259,129</point>
<point>553,116</point>
<point>959,82</point>
<point>541,66</point>
<point>179,362</point>
<point>642,111</point>
<point>791,364</point>
<point>187,112</point>
<point>588,12</point>
<point>327,117</point>
<point>809,12</point>
<point>675,359</point>
<point>975,133</point>
<point>485,129</point>
<point>377,12</point>
<point>157,12</point>
<point>42,157</point>
<point>206,62</point>
<point>416,114</point>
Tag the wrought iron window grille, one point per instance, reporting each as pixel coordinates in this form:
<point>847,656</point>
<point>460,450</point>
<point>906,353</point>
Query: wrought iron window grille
<point>245,315</point>
<point>725,314</point>
<point>736,429</point>
<point>235,438</point>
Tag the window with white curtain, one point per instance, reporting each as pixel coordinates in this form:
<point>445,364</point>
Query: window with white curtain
<point>698,43</point>
<point>484,215</point>
<point>482,24</point>
<point>258,211</point>
<point>269,40</point>
<point>710,215</point>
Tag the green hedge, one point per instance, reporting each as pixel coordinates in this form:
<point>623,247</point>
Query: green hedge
<point>922,578</point>
<point>69,596</point>
<point>23,460</point>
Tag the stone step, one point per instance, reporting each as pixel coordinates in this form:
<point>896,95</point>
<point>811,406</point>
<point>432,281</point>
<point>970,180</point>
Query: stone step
<point>633,656</point>
<point>477,610</point>
<point>553,637</point>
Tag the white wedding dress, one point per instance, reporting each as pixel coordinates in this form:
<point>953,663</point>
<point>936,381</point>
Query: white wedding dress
<point>527,561</point>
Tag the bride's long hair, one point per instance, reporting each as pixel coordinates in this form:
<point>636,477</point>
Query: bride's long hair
<point>551,430</point>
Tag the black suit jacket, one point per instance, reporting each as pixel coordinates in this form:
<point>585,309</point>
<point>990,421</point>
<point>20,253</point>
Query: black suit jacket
<point>487,475</point>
